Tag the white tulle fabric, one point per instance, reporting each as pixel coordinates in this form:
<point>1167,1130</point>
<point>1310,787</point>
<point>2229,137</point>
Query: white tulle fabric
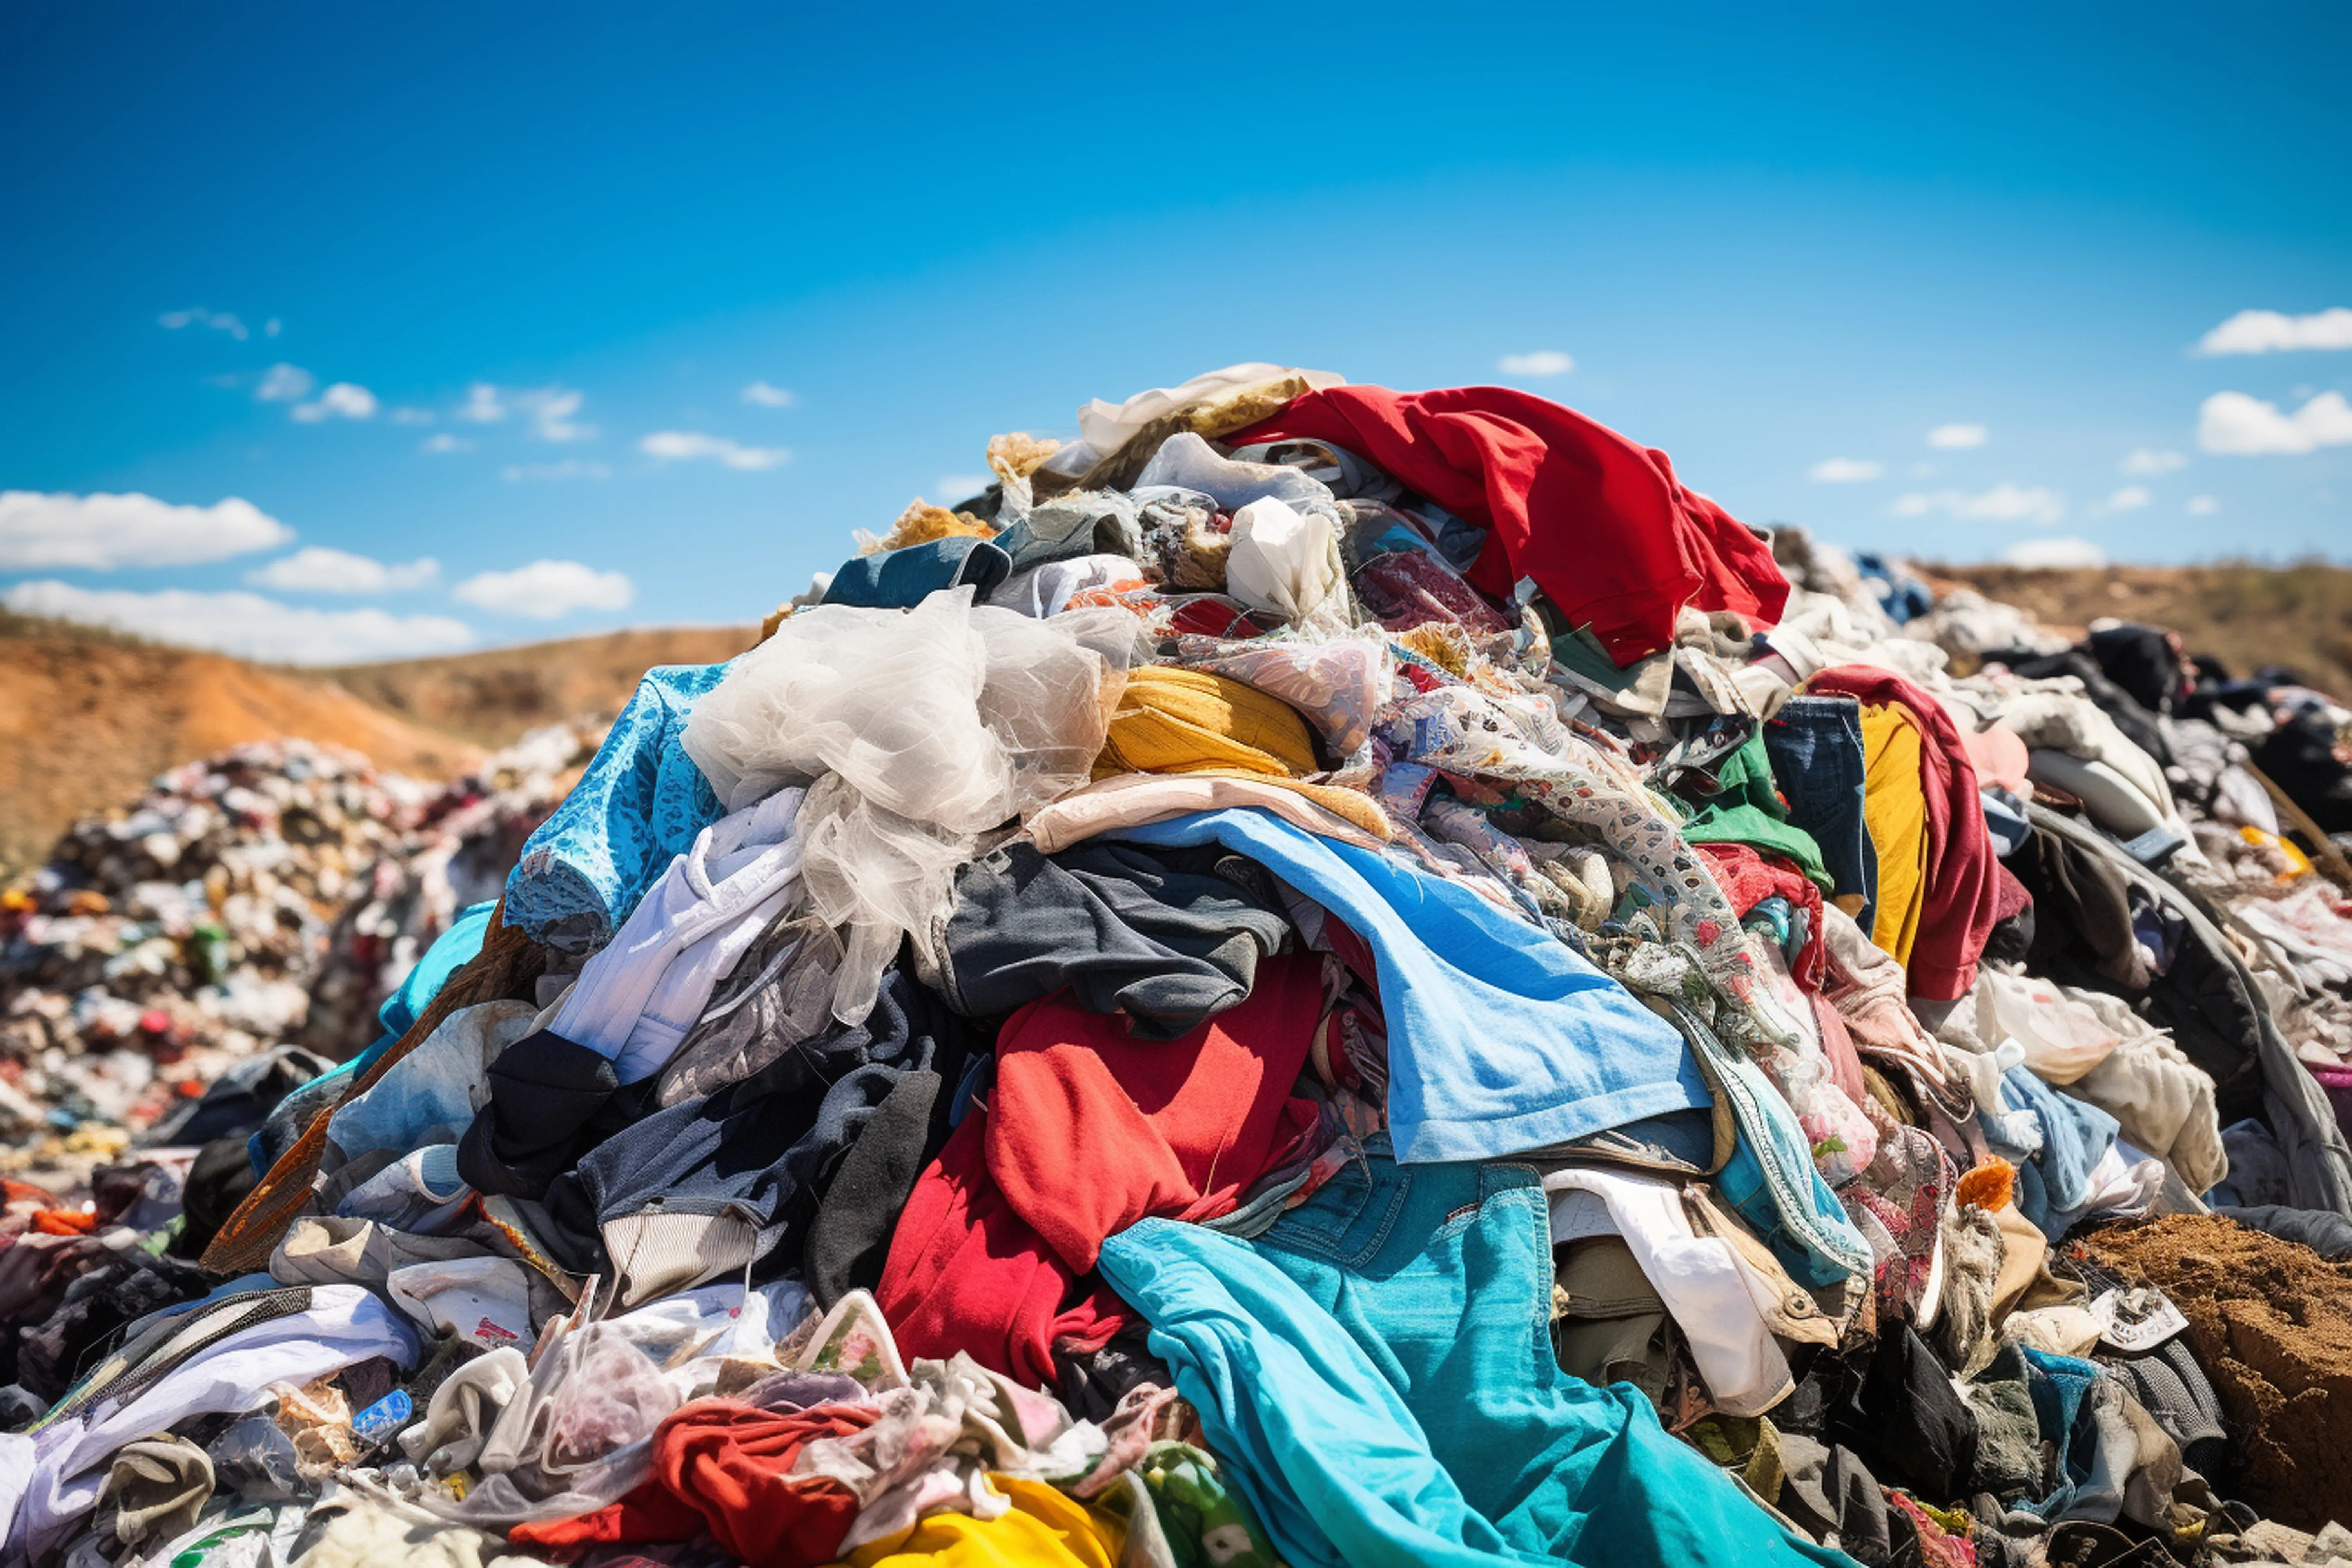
<point>916,731</point>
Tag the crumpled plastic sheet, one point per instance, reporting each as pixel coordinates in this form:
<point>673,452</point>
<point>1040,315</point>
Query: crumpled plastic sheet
<point>917,731</point>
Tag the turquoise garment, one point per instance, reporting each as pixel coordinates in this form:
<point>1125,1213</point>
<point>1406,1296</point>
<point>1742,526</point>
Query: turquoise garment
<point>1501,1040</point>
<point>639,805</point>
<point>1378,1370</point>
<point>450,952</point>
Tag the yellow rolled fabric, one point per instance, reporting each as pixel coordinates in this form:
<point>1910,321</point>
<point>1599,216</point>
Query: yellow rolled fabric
<point>1172,721</point>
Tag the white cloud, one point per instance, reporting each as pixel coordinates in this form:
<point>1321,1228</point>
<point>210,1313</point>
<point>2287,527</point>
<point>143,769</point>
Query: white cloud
<point>953,487</point>
<point>344,400</point>
<point>2202,506</point>
<point>550,409</point>
<point>411,417</point>
<point>2271,331</point>
<point>482,405</point>
<point>2144,462</point>
<point>2005,502</point>
<point>1844,470</point>
<point>444,441</point>
<point>218,320</point>
<point>99,533</point>
<point>272,327</point>
<point>570,468</point>
<point>285,383</point>
<point>315,569</point>
<point>685,444</point>
<point>2054,553</point>
<point>2131,498</point>
<point>767,397</point>
<point>245,624</point>
<point>2234,422</point>
<point>1953,437</point>
<point>1543,362</point>
<point>546,589</point>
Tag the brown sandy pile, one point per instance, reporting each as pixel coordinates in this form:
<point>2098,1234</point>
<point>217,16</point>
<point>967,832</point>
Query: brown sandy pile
<point>2271,1322</point>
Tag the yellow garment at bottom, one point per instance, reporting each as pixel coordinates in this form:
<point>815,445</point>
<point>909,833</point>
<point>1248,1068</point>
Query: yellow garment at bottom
<point>1894,810</point>
<point>1044,1528</point>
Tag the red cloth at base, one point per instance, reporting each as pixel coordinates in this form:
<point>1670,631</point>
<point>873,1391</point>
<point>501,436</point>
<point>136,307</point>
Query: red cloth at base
<point>1598,520</point>
<point>724,1465</point>
<point>1090,1130</point>
<point>1087,1131</point>
<point>1962,888</point>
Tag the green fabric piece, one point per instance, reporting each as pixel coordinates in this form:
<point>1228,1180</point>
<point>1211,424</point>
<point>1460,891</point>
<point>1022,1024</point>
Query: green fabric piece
<point>1206,1521</point>
<point>1749,811</point>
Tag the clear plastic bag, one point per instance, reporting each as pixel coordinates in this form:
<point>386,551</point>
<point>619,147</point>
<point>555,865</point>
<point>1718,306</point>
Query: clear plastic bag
<point>920,730</point>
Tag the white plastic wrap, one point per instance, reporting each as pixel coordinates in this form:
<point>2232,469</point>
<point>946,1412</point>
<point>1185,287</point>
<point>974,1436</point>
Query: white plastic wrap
<point>917,730</point>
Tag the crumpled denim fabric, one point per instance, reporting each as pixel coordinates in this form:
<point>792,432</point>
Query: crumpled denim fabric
<point>640,803</point>
<point>901,579</point>
<point>1815,744</point>
<point>2055,1177</point>
<point>1377,1365</point>
<point>1500,1039</point>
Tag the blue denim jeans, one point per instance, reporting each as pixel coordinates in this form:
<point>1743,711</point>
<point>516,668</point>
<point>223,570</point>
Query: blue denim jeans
<point>1815,747</point>
<point>1379,1367</point>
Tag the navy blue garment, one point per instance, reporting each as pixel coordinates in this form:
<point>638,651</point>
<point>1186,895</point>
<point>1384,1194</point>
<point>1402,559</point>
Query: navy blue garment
<point>1815,744</point>
<point>901,579</point>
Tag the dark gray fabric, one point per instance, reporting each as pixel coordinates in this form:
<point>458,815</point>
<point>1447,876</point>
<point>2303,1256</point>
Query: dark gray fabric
<point>764,1147</point>
<point>1169,937</point>
<point>545,1093</point>
<point>850,1237</point>
<point>2173,1388</point>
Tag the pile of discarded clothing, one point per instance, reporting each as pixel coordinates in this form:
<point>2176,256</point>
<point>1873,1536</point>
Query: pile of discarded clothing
<point>1318,976</point>
<point>269,897</point>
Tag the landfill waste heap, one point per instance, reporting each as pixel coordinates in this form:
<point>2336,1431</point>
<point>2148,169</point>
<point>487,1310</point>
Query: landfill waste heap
<point>1319,977</point>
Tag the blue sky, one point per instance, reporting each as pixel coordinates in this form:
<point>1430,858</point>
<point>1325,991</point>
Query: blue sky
<point>1966,261</point>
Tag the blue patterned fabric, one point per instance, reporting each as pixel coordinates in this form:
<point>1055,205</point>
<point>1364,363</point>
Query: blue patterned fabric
<point>636,808</point>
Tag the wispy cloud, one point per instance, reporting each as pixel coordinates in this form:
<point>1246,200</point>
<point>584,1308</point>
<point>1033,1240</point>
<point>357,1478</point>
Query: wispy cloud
<point>570,468</point>
<point>2272,332</point>
<point>546,589</point>
<point>444,441</point>
<point>549,410</point>
<point>249,624</point>
<point>1542,361</point>
<point>953,487</point>
<point>2054,552</point>
<point>686,446</point>
<point>2142,460</point>
<point>2131,498</point>
<point>100,532</point>
<point>2239,425</point>
<point>1844,470</point>
<point>316,569</point>
<point>343,400</point>
<point>411,416</point>
<point>2005,502</point>
<point>769,396</point>
<point>284,383</point>
<point>1955,437</point>
<point>2202,506</point>
<point>218,320</point>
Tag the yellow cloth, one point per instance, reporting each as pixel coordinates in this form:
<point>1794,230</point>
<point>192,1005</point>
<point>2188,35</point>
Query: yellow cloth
<point>1894,810</point>
<point>1172,721</point>
<point>1044,1527</point>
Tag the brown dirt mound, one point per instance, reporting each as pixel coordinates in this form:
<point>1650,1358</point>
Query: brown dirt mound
<point>2271,1322</point>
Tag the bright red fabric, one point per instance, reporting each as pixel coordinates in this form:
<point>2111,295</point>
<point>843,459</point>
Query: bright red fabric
<point>1085,1131</point>
<point>1963,882</point>
<point>724,1465</point>
<point>1091,1130</point>
<point>1598,522</point>
<point>966,1273</point>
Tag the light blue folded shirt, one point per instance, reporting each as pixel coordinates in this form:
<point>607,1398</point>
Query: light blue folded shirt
<point>1501,1040</point>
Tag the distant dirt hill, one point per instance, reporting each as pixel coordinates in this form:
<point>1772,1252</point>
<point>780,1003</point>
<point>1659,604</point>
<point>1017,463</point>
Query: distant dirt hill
<point>87,717</point>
